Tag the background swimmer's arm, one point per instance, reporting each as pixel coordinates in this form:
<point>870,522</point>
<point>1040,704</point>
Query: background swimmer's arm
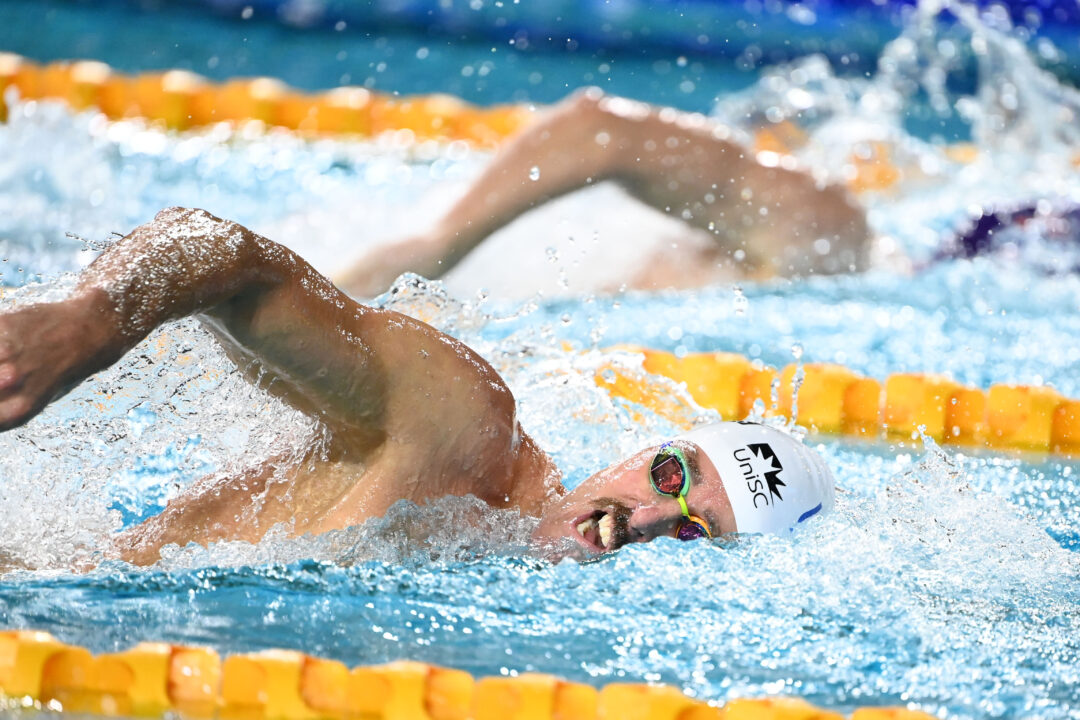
<point>363,371</point>
<point>678,163</point>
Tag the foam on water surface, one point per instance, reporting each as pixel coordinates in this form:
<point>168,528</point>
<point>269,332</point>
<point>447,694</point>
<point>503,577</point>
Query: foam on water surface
<point>946,579</point>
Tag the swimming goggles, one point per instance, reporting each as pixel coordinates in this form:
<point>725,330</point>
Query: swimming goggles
<point>670,475</point>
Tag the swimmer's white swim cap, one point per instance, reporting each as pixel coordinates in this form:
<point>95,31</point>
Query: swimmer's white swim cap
<point>773,481</point>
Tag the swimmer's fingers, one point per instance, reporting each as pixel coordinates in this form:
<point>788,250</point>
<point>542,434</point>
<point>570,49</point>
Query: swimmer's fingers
<point>44,350</point>
<point>20,373</point>
<point>16,403</point>
<point>12,404</point>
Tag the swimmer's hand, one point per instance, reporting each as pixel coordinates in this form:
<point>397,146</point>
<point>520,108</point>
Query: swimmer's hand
<point>45,350</point>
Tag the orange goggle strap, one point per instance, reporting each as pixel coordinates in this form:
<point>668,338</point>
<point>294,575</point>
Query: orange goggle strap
<point>693,518</point>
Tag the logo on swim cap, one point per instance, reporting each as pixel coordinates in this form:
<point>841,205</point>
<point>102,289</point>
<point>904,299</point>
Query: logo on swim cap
<point>772,480</point>
<point>761,472</point>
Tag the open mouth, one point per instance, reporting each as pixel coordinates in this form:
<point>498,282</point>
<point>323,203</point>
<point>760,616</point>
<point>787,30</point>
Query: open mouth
<point>597,529</point>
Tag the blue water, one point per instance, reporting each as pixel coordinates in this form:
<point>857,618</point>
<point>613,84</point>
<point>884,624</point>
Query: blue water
<point>946,578</point>
<point>385,59</point>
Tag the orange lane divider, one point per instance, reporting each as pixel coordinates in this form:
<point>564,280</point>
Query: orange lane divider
<point>833,399</point>
<point>179,99</point>
<point>153,679</point>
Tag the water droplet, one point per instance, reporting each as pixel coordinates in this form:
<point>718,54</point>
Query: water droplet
<point>740,302</point>
<point>796,351</point>
<point>566,319</point>
<point>534,173</point>
<point>552,254</point>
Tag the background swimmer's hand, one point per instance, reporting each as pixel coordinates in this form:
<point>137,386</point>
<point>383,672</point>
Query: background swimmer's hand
<point>45,350</point>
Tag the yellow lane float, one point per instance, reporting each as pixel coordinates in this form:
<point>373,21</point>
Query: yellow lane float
<point>179,99</point>
<point>154,679</point>
<point>833,399</point>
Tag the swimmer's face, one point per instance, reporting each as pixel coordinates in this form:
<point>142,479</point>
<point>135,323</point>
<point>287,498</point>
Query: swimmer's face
<point>618,505</point>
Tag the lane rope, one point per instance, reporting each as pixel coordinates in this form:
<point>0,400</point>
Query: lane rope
<point>180,100</point>
<point>183,100</point>
<point>836,400</point>
<point>151,679</point>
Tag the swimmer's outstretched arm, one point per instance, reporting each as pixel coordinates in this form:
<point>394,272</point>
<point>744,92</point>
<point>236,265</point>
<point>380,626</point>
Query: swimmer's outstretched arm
<point>366,373</point>
<point>678,163</point>
<point>181,263</point>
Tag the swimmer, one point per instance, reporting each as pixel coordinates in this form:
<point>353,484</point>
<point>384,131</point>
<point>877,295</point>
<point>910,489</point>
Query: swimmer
<point>1046,234</point>
<point>409,412</point>
<point>763,221</point>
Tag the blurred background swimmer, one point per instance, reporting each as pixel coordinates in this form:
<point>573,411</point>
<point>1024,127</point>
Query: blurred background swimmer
<point>748,214</point>
<point>408,412</point>
<point>765,218</point>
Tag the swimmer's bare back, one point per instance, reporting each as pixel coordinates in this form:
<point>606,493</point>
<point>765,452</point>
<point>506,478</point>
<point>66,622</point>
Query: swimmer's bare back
<point>409,412</point>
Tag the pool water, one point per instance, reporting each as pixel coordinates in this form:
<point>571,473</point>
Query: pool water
<point>388,59</point>
<point>946,578</point>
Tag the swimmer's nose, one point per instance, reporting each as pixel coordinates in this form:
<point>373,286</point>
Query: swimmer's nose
<point>648,522</point>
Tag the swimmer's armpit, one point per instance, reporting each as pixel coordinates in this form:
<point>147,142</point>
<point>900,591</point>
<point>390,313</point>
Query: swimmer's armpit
<point>420,412</point>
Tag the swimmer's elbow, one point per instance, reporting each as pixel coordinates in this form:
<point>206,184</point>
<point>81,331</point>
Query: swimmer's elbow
<point>207,242</point>
<point>196,223</point>
<point>176,212</point>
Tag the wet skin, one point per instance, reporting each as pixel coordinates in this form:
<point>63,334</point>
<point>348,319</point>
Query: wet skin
<point>754,219</point>
<point>409,412</point>
<point>640,514</point>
